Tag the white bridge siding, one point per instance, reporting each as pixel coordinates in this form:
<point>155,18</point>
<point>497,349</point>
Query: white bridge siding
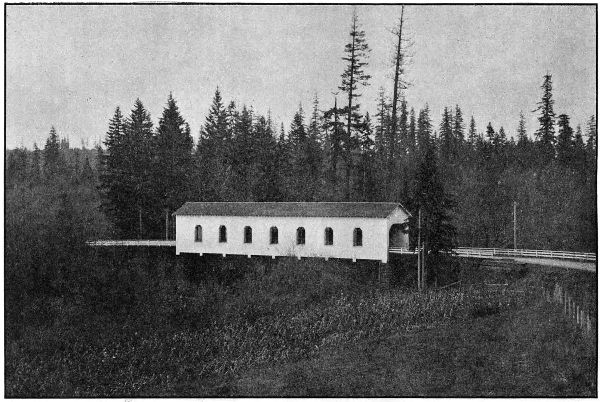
<point>375,232</point>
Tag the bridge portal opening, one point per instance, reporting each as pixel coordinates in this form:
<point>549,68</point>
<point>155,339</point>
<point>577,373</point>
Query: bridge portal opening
<point>396,237</point>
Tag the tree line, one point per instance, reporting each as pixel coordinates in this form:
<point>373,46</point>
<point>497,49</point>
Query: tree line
<point>464,180</point>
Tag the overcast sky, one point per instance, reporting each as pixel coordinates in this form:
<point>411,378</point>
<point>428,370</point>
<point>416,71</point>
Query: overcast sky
<point>70,66</point>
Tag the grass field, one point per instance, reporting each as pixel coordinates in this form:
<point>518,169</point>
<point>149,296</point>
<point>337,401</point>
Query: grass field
<point>308,328</point>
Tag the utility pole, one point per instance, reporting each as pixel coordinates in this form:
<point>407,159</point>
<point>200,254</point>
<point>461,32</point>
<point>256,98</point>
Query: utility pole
<point>419,253</point>
<point>515,225</point>
<point>166,224</point>
<point>423,275</point>
<point>140,222</point>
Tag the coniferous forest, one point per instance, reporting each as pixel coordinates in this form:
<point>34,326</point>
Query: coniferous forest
<point>464,175</point>
<point>83,322</point>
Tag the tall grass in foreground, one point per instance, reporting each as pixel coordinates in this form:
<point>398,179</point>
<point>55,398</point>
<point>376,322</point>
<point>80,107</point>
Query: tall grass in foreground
<point>181,333</point>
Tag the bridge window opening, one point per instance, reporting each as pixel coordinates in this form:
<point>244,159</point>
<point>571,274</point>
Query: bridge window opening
<point>222,234</point>
<point>357,237</point>
<point>274,235</point>
<point>198,234</point>
<point>247,234</point>
<point>328,236</point>
<point>300,236</point>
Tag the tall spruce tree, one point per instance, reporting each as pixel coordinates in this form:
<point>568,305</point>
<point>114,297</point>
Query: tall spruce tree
<point>212,156</point>
<point>403,140</point>
<point>305,161</point>
<point>113,176</point>
<point>522,130</point>
<point>424,130</point>
<point>564,143</point>
<point>382,125</point>
<point>243,149</point>
<point>357,51</point>
<point>172,166</point>
<point>446,137</point>
<point>265,179</point>
<point>579,157</point>
<point>364,186</point>
<point>335,127</point>
<point>458,129</point>
<point>523,148</point>
<point>437,231</point>
<point>545,133</point>
<point>412,131</point>
<point>35,167</point>
<point>52,156</point>
<point>592,137</point>
<point>16,166</point>
<point>458,133</point>
<point>472,132</point>
<point>138,156</point>
<point>314,127</point>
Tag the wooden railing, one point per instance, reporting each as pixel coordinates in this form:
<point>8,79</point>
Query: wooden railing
<point>498,252</point>
<point>131,243</point>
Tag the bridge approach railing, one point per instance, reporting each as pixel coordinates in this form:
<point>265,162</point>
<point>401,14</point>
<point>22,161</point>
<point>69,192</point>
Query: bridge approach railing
<point>498,252</point>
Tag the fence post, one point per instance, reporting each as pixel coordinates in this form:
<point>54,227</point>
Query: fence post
<point>570,308</point>
<point>589,324</point>
<point>577,308</point>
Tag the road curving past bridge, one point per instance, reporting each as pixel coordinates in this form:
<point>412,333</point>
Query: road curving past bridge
<point>564,259</point>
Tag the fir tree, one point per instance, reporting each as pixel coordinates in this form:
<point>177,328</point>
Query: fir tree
<point>16,166</point>
<point>437,232</point>
<point>458,129</point>
<point>458,135</point>
<point>302,159</point>
<point>545,134</point>
<point>266,178</point>
<point>138,153</point>
<point>592,134</point>
<point>521,130</point>
<point>172,165</point>
<point>365,182</point>
<point>564,143</point>
<point>490,134</point>
<point>335,127</point>
<point>500,139</point>
<point>447,152</point>
<point>424,130</point>
<point>381,128</point>
<point>52,156</point>
<point>357,52</point>
<point>243,149</point>
<point>523,147</point>
<point>412,131</point>
<point>212,156</point>
<point>113,176</point>
<point>35,168</point>
<point>314,128</point>
<point>579,157</point>
<point>87,174</point>
<point>472,132</point>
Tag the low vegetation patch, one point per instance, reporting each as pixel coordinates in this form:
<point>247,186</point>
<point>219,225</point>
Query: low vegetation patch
<point>149,327</point>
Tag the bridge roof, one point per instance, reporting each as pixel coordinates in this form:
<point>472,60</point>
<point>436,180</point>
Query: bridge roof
<point>291,209</point>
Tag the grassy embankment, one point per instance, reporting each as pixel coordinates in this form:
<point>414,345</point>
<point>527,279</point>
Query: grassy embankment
<point>146,326</point>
